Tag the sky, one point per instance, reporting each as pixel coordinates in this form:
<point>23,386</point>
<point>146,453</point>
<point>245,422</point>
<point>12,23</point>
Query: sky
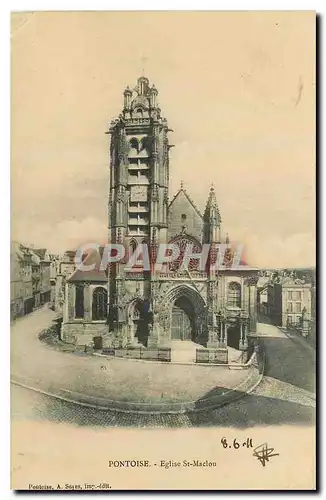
<point>237,88</point>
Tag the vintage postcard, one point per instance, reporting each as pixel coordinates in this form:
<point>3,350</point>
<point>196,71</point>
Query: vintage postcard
<point>163,281</point>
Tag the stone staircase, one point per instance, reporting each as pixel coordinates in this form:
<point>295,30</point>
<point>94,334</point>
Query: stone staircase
<point>184,351</point>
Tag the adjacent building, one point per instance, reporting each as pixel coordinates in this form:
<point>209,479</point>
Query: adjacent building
<point>313,314</point>
<point>262,296</point>
<point>30,279</point>
<point>288,302</point>
<point>17,291</point>
<point>44,275</point>
<point>54,264</point>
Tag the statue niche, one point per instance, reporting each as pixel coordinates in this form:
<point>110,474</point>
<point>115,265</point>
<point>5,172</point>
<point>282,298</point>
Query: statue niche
<point>138,321</point>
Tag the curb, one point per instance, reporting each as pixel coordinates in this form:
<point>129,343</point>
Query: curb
<point>231,366</point>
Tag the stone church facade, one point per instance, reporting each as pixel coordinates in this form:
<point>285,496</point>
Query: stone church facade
<point>215,308</point>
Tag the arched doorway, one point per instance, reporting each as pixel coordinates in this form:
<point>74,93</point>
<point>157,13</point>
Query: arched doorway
<point>184,313</point>
<point>183,320</point>
<point>233,338</point>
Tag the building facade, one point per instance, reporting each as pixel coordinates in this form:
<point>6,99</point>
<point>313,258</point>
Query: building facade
<point>289,302</point>
<point>262,297</point>
<point>296,300</point>
<point>17,292</point>
<point>44,285</point>
<point>30,279</point>
<point>213,308</point>
<point>54,262</point>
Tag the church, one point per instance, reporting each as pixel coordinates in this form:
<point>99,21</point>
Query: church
<point>214,307</point>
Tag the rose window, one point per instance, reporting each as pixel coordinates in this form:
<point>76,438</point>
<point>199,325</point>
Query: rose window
<point>188,246</point>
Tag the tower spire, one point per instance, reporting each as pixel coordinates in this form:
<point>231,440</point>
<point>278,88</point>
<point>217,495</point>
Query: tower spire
<point>212,218</point>
<point>211,202</point>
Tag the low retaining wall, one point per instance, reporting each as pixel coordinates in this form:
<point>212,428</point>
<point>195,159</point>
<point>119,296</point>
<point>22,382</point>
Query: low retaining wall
<point>216,356</point>
<point>151,354</point>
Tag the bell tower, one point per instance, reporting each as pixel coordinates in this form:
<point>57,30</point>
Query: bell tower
<point>139,178</point>
<point>139,169</point>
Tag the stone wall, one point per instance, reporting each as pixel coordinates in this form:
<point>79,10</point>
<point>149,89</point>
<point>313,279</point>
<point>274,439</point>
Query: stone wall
<point>81,333</point>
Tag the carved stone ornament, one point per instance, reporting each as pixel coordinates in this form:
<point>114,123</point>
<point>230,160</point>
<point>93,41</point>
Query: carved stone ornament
<point>119,235</point>
<point>154,235</point>
<point>222,315</point>
<point>110,199</point>
<point>156,142</point>
<point>155,194</point>
<point>120,194</point>
<point>251,280</point>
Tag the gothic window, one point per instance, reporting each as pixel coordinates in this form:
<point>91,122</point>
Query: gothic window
<point>132,247</point>
<point>183,223</point>
<point>234,295</point>
<point>145,243</point>
<point>133,147</point>
<point>79,301</point>
<point>99,304</point>
<point>144,147</point>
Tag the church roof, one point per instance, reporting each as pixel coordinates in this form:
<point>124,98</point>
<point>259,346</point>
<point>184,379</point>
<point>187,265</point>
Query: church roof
<point>97,274</point>
<point>184,192</point>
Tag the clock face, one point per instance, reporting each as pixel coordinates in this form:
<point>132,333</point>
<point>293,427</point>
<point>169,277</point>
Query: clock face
<point>138,193</point>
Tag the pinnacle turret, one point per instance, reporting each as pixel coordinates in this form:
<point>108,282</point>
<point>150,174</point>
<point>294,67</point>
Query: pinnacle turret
<point>212,211</point>
<point>212,219</point>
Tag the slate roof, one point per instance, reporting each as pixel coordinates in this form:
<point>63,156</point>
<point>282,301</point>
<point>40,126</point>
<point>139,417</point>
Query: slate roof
<point>182,190</point>
<point>97,274</point>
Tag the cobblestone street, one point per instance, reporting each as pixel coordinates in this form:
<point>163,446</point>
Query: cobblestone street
<point>289,359</point>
